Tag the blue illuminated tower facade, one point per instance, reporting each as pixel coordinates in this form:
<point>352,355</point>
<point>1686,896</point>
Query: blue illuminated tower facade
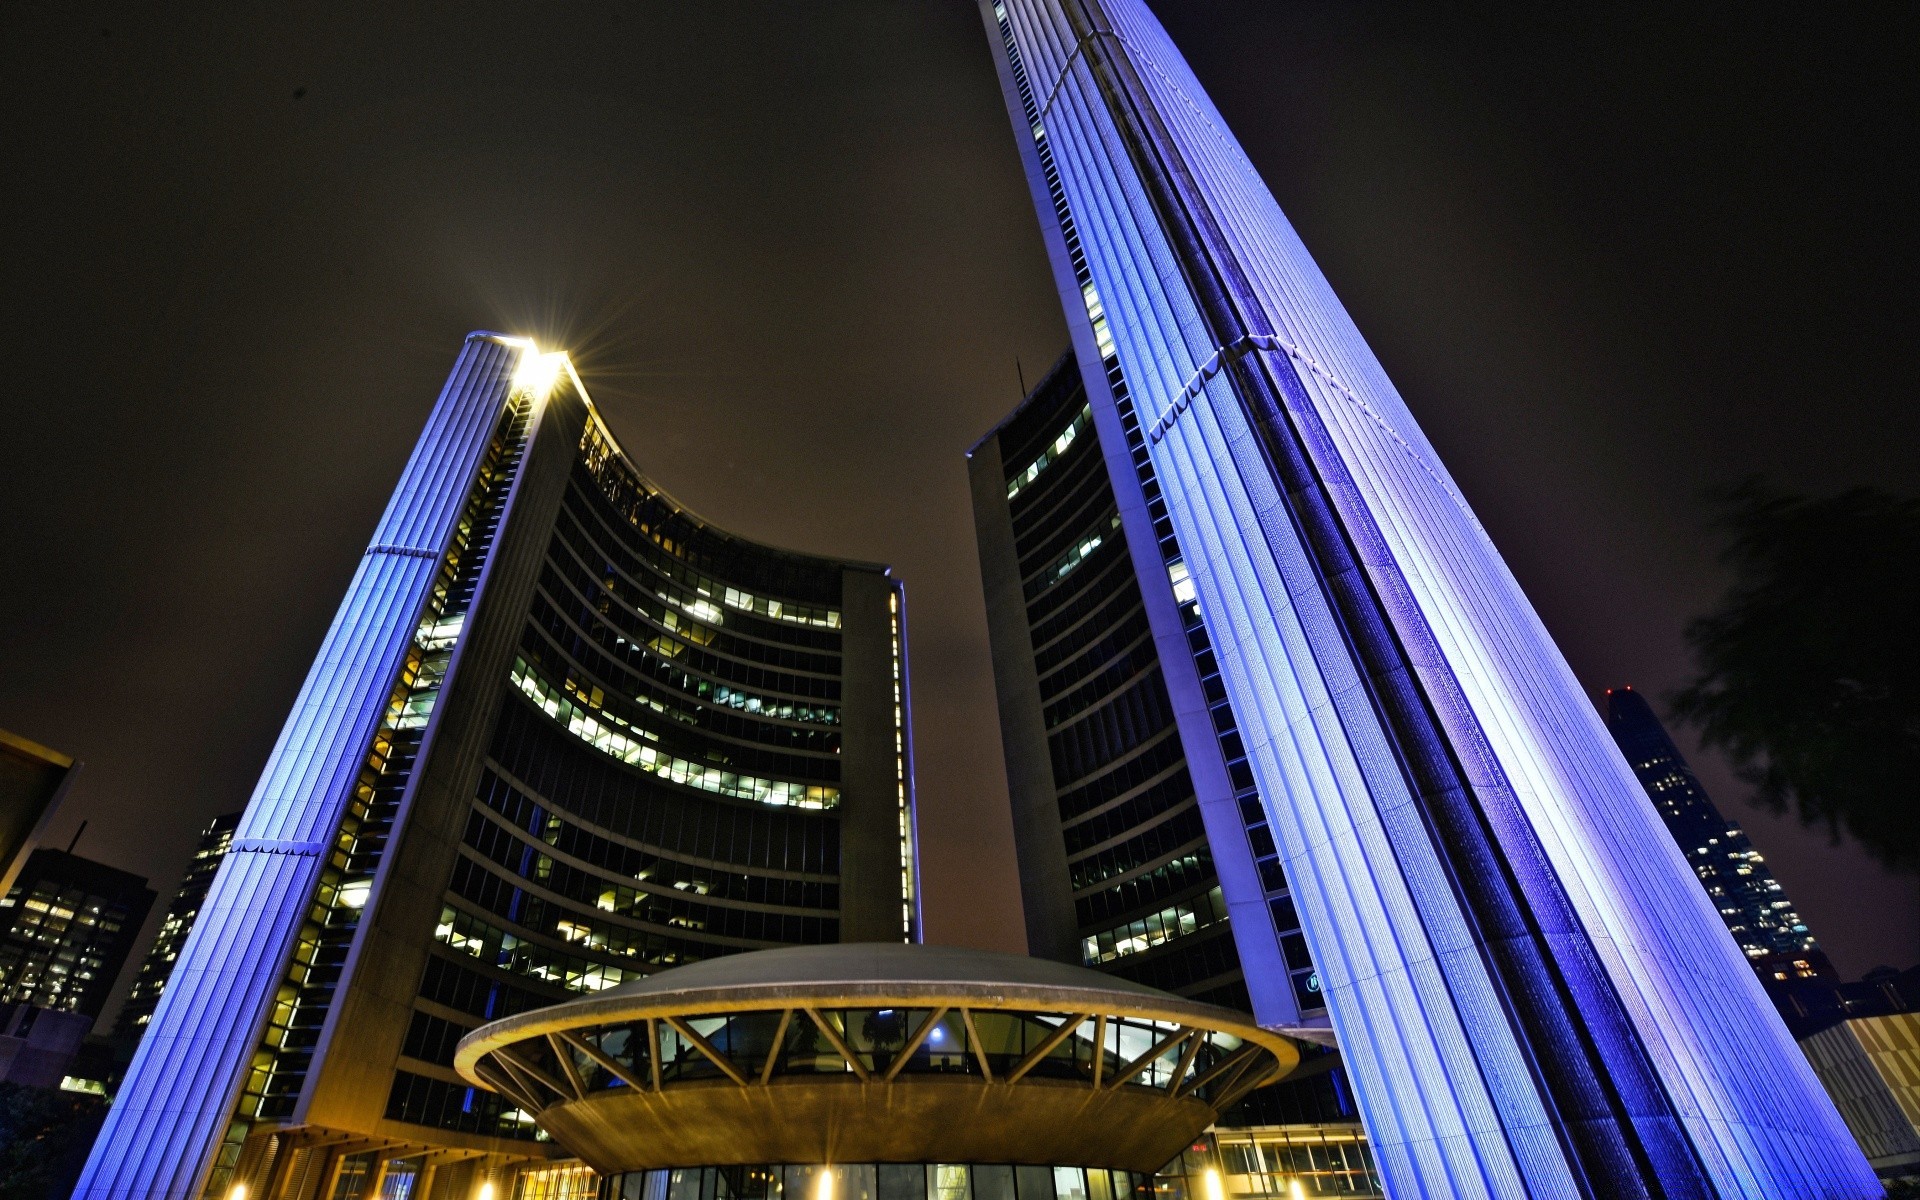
<point>1143,845</point>
<point>1532,993</point>
<point>562,733</point>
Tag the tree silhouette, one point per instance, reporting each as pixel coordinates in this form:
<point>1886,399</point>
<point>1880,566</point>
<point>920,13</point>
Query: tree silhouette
<point>1809,667</point>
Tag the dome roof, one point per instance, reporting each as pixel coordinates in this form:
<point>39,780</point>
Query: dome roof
<point>875,1052</point>
<point>881,964</point>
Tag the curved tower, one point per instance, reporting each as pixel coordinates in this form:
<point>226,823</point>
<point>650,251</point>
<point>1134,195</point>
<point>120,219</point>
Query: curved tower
<point>562,734</point>
<point>1532,993</point>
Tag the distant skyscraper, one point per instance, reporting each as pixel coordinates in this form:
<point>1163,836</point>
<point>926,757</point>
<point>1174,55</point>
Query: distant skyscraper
<point>144,995</point>
<point>66,928</point>
<point>561,734</point>
<point>1751,901</point>
<point>1532,995</point>
<point>1144,849</point>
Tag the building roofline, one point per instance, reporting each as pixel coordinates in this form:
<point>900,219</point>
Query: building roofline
<point>1058,364</point>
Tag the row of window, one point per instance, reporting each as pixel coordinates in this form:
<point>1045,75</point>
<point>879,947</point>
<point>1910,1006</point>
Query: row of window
<point>1108,733</point>
<point>1152,846</point>
<point>1112,663</point>
<point>656,948</point>
<point>693,547</point>
<point>1057,505</point>
<point>1052,454</point>
<point>626,864</point>
<point>423,1101</point>
<point>1154,759</point>
<point>672,719</point>
<point>600,894</point>
<point>592,566</point>
<point>584,603</point>
<point>455,986</point>
<point>1044,604</point>
<point>629,863</point>
<point>467,934</point>
<point>1184,965</point>
<point>878,1181</point>
<point>432,1039</point>
<point>621,740</point>
<point>1163,797</point>
<point>1180,874</point>
<point>1154,929</point>
<point>1108,609</point>
<point>556,650</point>
<point>594,531</point>
<point>622,663</point>
<point>1093,604</point>
<point>573,778</point>
<point>1082,511</point>
<point>1076,554</point>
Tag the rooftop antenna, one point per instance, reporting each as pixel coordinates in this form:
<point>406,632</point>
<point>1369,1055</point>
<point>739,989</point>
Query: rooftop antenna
<point>1019,371</point>
<point>76,837</point>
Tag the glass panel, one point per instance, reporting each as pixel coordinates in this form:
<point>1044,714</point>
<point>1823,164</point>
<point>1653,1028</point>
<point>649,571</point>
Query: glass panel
<point>944,1050</point>
<point>993,1183</point>
<point>949,1182</point>
<point>875,1035</point>
<point>1035,1183</point>
<point>681,1060</point>
<point>745,1038</point>
<point>903,1181</point>
<point>1099,1185</point>
<point>807,1051</point>
<point>855,1181</point>
<point>1070,1183</point>
<point>684,1185</point>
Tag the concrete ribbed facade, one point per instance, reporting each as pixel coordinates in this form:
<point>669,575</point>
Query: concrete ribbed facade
<point>173,1110</point>
<point>563,733</point>
<point>1532,992</point>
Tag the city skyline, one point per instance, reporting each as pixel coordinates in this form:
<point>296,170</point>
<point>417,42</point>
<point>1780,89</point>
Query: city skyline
<point>176,698</point>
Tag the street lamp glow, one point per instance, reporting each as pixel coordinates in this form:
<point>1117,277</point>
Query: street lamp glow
<point>824,1190</point>
<point>1214,1190</point>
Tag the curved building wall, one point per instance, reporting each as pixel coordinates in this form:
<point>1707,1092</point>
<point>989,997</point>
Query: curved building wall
<point>606,738</point>
<point>668,776</point>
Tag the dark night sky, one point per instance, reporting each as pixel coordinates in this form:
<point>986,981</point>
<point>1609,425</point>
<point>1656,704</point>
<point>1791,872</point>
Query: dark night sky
<point>1610,260</point>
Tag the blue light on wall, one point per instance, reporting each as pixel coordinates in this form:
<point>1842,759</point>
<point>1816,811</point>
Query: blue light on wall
<point>1533,994</point>
<point>175,1106</point>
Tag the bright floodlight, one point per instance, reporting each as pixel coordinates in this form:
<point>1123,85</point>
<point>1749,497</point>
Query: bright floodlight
<point>537,371</point>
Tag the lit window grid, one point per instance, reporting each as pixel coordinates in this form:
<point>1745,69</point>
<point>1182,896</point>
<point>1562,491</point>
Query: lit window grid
<point>55,947</point>
<point>476,938</point>
<point>902,771</point>
<point>1052,454</point>
<point>625,742</point>
<point>1155,929</point>
<point>600,455</point>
